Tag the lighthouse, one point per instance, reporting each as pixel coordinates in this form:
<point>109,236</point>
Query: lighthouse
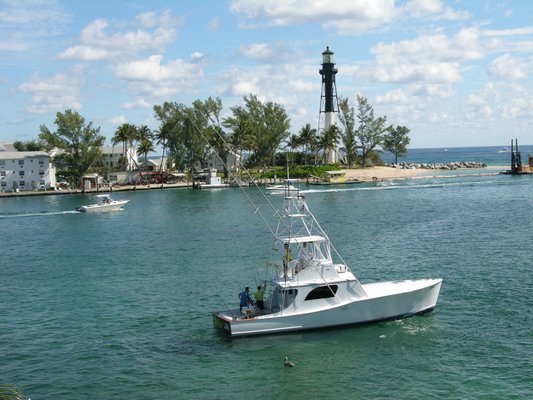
<point>329,104</point>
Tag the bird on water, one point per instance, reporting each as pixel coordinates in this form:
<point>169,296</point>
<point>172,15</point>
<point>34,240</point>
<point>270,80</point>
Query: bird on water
<point>288,363</point>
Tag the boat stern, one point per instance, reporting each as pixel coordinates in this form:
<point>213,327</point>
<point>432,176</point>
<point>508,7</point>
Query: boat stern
<point>222,323</point>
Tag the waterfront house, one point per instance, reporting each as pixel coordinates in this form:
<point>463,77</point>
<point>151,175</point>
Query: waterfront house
<point>25,170</point>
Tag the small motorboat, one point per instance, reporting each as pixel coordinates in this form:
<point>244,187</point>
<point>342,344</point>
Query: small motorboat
<point>105,203</point>
<point>289,186</point>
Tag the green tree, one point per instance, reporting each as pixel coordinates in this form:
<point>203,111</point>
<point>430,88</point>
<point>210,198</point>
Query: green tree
<point>329,141</point>
<point>145,146</point>
<point>293,142</point>
<point>396,141</point>
<point>125,134</point>
<point>31,145</point>
<point>370,130</point>
<point>347,120</point>
<point>308,139</point>
<point>262,128</point>
<point>80,142</point>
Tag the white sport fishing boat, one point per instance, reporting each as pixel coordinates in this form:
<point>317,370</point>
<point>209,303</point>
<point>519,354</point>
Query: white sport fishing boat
<point>308,289</point>
<point>104,204</point>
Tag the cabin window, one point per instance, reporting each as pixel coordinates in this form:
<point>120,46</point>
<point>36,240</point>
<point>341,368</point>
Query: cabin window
<point>322,292</point>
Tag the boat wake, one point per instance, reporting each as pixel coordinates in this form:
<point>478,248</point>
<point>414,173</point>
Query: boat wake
<point>405,186</point>
<point>36,214</point>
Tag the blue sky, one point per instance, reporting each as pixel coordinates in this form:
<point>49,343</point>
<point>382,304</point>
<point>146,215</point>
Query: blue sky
<point>456,73</point>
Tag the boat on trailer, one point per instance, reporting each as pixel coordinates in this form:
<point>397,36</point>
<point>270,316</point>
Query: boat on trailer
<point>311,287</point>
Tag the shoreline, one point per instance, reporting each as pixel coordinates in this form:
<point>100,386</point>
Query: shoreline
<point>389,173</point>
<point>366,175</point>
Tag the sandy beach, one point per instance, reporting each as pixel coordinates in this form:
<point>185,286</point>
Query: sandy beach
<point>383,173</point>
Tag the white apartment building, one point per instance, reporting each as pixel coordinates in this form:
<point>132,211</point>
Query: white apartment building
<point>111,156</point>
<point>26,170</point>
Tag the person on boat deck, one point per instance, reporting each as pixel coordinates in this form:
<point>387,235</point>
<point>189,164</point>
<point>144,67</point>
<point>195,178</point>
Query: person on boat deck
<point>245,299</point>
<point>259,297</point>
<point>287,258</point>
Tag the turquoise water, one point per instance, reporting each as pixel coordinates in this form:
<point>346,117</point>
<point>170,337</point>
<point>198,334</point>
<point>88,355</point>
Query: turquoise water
<point>118,305</point>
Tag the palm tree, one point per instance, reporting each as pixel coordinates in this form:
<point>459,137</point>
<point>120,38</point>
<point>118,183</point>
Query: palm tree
<point>293,142</point>
<point>145,146</point>
<point>125,134</point>
<point>161,138</point>
<point>307,138</point>
<point>329,140</point>
<point>143,132</point>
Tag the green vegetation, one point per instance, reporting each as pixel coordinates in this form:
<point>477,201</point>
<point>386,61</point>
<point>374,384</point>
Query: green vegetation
<point>396,141</point>
<point>79,143</point>
<point>257,132</point>
<point>31,145</point>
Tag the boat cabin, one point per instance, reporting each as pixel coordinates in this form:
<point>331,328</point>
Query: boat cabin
<point>334,176</point>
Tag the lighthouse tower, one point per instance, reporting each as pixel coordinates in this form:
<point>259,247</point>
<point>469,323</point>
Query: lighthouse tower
<point>329,103</point>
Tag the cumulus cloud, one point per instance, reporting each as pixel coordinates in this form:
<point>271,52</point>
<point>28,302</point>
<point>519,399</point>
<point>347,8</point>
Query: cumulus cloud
<point>54,94</point>
<point>84,53</point>
<point>98,40</point>
<point>507,67</point>
<point>118,120</point>
<point>347,17</point>
<point>153,78</point>
<point>151,69</point>
<point>267,53</point>
<point>139,103</point>
<point>432,9</point>
<point>428,58</point>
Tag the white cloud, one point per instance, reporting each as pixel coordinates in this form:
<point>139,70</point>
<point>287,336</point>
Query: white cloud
<point>30,24</point>
<point>507,67</point>
<point>98,41</point>
<point>54,94</point>
<point>527,30</point>
<point>139,103</point>
<point>84,53</point>
<point>152,78</point>
<point>118,120</point>
<point>151,69</point>
<point>348,17</point>
<point>267,53</point>
<point>198,57</point>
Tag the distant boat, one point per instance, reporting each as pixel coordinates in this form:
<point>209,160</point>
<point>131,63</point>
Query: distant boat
<point>289,186</point>
<point>212,181</point>
<point>504,150</point>
<point>104,204</point>
<point>330,178</point>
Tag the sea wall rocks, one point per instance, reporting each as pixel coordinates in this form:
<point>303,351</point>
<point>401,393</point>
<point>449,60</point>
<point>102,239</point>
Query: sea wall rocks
<point>444,166</point>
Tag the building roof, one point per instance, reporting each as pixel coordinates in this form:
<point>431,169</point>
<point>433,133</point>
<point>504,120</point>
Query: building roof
<point>4,146</point>
<point>111,149</point>
<point>17,155</point>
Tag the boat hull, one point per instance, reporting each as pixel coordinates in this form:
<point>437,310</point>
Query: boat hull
<point>385,301</point>
<point>93,208</point>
